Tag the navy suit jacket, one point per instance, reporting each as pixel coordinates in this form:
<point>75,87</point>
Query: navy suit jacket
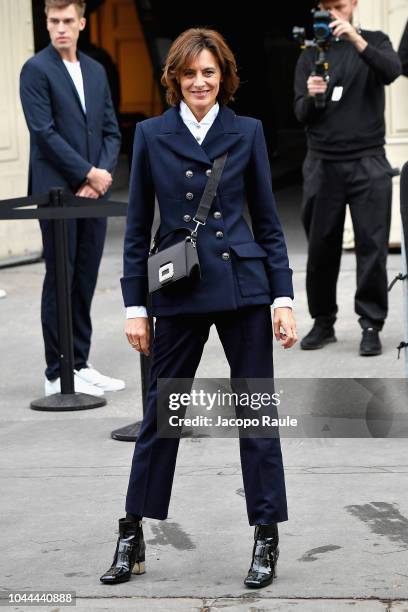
<point>239,267</point>
<point>64,141</point>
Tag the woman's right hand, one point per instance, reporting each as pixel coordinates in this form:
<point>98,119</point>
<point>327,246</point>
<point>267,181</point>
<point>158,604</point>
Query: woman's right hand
<point>137,331</point>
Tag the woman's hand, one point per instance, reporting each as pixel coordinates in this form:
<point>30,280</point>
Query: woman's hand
<point>137,331</point>
<point>283,319</point>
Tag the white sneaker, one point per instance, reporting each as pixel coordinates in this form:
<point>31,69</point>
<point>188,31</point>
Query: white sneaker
<point>80,386</point>
<point>93,377</point>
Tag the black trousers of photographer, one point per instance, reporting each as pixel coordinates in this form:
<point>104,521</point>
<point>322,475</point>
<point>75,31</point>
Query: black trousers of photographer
<point>366,185</point>
<point>246,335</point>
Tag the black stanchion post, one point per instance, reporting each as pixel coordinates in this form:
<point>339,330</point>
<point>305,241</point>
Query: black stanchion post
<point>63,288</point>
<point>67,399</point>
<point>145,365</point>
<point>404,218</point>
<point>130,432</point>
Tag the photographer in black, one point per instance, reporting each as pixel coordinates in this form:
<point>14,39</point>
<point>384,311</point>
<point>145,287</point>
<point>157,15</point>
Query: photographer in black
<point>346,164</point>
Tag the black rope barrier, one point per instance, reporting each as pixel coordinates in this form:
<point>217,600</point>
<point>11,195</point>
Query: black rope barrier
<point>68,207</point>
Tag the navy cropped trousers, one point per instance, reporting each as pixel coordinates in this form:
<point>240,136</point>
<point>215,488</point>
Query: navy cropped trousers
<point>246,335</point>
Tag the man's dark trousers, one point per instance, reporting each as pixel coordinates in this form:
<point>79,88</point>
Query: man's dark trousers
<point>85,246</point>
<point>366,185</point>
<point>246,336</point>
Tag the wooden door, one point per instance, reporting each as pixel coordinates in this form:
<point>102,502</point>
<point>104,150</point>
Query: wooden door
<point>115,26</point>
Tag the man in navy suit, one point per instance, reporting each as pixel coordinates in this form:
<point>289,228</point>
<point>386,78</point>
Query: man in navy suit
<point>74,144</point>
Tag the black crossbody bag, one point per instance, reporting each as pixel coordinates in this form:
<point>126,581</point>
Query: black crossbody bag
<point>179,264</point>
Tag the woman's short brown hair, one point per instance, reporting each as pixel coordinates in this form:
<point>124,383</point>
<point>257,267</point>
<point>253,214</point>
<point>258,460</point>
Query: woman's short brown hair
<point>185,49</point>
<point>79,5</point>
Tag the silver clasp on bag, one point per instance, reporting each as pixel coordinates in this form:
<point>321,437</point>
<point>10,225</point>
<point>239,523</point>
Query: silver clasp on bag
<point>194,231</point>
<point>166,272</point>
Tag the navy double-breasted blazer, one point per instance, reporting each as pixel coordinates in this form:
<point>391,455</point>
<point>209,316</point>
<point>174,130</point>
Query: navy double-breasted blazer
<point>64,141</point>
<point>239,267</point>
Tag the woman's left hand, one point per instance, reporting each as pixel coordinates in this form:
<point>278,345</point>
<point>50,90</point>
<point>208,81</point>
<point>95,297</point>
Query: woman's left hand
<point>284,326</point>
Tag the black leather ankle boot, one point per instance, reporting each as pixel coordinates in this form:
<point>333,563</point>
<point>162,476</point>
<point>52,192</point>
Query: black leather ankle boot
<point>264,556</point>
<point>129,555</point>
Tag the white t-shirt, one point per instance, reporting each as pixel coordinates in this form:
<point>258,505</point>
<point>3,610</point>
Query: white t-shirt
<point>75,72</point>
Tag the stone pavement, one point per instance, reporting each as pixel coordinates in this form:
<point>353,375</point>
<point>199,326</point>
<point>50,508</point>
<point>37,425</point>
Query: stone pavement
<point>63,479</point>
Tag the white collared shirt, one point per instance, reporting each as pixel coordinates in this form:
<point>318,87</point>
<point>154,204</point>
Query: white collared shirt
<point>75,72</point>
<point>199,130</point>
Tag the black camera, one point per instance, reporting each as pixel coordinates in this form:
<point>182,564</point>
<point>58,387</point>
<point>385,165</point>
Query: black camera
<point>323,37</point>
<point>321,26</point>
<point>323,33</point>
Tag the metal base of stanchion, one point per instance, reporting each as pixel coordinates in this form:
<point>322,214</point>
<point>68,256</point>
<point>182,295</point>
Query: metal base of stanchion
<point>63,402</point>
<point>130,432</point>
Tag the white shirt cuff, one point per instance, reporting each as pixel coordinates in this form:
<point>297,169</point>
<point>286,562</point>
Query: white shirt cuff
<point>136,311</point>
<point>140,311</point>
<point>282,302</point>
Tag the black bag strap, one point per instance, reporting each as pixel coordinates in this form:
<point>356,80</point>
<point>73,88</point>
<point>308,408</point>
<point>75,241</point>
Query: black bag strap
<point>210,190</point>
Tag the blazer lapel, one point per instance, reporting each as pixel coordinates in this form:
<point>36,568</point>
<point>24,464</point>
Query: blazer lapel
<point>87,77</point>
<point>176,136</point>
<point>221,136</point>
<point>58,60</point>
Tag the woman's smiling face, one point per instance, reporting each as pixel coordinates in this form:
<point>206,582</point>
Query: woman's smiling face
<point>200,83</point>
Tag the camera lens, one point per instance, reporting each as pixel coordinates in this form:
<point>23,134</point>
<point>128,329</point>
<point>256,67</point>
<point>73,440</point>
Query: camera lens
<point>322,30</point>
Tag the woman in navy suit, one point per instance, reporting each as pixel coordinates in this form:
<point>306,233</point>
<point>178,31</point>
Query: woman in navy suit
<point>243,273</point>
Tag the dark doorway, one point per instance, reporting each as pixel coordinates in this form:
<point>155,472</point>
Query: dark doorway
<point>260,35</point>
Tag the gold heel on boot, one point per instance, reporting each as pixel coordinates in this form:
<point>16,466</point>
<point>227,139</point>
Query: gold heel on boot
<point>139,567</point>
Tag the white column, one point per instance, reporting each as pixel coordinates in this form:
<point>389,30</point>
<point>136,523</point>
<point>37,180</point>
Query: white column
<point>17,238</point>
<point>389,16</point>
